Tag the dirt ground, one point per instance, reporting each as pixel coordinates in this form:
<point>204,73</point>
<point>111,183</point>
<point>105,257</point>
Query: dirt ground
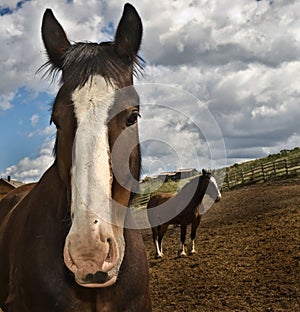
<point>248,255</point>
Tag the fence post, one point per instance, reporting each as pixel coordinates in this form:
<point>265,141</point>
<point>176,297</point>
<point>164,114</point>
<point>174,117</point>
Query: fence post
<point>275,171</point>
<point>286,167</point>
<point>228,180</point>
<point>263,172</point>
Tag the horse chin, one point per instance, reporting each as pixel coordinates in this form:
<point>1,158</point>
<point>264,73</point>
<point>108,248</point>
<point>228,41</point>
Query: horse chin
<point>99,279</point>
<point>108,283</point>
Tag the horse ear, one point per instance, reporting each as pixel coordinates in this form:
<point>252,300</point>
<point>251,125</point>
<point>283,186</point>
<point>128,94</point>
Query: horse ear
<point>129,34</point>
<point>54,38</point>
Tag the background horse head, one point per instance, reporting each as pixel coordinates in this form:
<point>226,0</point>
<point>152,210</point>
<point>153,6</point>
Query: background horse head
<point>212,195</point>
<point>95,108</point>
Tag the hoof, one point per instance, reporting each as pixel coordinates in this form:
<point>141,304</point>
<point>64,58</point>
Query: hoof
<point>192,252</point>
<point>158,256</point>
<point>181,254</point>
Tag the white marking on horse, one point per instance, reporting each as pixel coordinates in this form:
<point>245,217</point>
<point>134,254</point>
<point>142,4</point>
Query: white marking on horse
<point>191,247</point>
<point>211,194</point>
<point>93,243</point>
<point>159,252</point>
<point>212,189</point>
<point>91,175</point>
<point>181,250</point>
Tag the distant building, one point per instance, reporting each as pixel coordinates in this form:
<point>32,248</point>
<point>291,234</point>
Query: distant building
<point>7,185</point>
<point>177,175</point>
<point>166,176</point>
<point>186,173</point>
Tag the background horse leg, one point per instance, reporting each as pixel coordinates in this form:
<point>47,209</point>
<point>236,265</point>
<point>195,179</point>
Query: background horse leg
<point>181,251</point>
<point>162,229</point>
<point>195,224</point>
<point>155,230</point>
<point>158,233</point>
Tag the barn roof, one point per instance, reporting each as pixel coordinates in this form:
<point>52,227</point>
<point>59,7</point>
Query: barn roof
<point>12,183</point>
<point>187,170</point>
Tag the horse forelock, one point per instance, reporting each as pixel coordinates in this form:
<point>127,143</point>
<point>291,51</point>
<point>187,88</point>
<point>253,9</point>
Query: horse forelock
<point>83,60</point>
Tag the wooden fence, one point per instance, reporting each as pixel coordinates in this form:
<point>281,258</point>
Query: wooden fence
<point>278,169</point>
<point>274,170</point>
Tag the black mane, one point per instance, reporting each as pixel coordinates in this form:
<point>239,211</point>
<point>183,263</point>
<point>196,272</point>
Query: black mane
<point>85,60</point>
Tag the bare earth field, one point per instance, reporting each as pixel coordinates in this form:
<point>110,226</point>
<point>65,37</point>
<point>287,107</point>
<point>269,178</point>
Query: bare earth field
<point>248,255</point>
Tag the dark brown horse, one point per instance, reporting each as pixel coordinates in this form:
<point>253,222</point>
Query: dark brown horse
<point>64,244</point>
<point>13,198</point>
<point>182,208</point>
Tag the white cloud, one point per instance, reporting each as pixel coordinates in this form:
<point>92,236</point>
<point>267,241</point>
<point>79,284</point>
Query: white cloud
<point>34,119</point>
<point>217,33</point>
<point>240,58</point>
<point>30,170</point>
<point>48,131</point>
<point>177,130</point>
<point>5,101</point>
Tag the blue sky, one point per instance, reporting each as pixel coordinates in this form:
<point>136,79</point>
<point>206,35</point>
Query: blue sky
<point>24,126</point>
<point>240,59</point>
<point>10,9</point>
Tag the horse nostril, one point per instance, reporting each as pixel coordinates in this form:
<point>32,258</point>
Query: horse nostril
<point>111,254</point>
<point>99,277</point>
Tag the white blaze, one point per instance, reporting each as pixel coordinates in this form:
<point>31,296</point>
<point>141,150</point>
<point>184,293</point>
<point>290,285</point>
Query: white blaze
<point>210,196</point>
<point>91,175</point>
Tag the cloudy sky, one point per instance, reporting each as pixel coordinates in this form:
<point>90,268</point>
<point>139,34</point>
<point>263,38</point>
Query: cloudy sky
<point>220,84</point>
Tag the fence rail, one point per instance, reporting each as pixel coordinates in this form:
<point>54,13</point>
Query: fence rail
<point>273,170</point>
<point>277,169</point>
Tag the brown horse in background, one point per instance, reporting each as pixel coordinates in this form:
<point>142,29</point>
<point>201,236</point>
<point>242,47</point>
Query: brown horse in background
<point>182,208</point>
<point>64,245</point>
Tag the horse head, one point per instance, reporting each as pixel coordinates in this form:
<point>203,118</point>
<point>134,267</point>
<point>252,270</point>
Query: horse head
<point>212,189</point>
<point>97,148</point>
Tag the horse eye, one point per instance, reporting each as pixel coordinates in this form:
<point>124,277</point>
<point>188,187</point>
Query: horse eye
<point>132,119</point>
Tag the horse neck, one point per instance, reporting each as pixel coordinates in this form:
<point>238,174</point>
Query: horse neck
<point>190,196</point>
<point>200,189</point>
<point>52,189</point>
